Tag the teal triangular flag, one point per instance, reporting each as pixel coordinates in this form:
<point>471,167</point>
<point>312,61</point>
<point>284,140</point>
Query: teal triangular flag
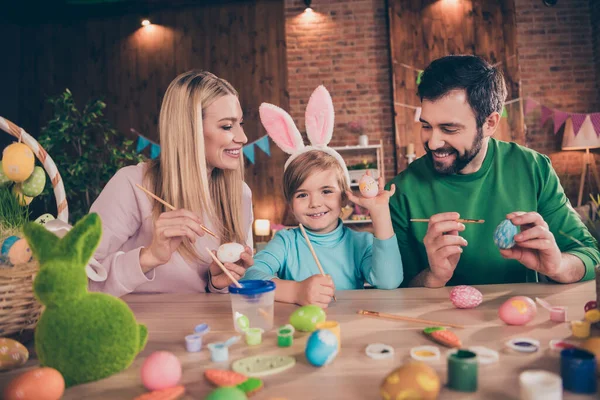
<point>419,77</point>
<point>249,152</point>
<point>142,144</point>
<point>263,144</point>
<point>154,151</point>
<point>504,113</point>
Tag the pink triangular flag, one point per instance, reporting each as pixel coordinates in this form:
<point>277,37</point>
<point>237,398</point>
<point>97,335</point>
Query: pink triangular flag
<point>530,105</point>
<point>577,122</point>
<point>559,118</point>
<point>595,118</point>
<point>546,114</point>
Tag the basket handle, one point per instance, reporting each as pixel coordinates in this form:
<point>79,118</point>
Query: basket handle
<point>47,162</point>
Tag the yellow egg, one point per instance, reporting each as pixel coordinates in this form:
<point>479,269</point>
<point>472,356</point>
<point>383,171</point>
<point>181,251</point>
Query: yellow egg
<point>12,354</point>
<point>18,162</point>
<point>36,384</point>
<point>415,380</point>
<point>23,200</point>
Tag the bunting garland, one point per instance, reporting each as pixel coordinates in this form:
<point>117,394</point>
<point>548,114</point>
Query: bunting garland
<point>558,117</point>
<point>248,150</point>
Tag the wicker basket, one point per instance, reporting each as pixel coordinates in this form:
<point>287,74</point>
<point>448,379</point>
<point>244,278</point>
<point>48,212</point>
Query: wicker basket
<point>19,310</point>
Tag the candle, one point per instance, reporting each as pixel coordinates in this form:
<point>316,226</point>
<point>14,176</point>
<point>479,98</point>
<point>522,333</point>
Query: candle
<point>410,149</point>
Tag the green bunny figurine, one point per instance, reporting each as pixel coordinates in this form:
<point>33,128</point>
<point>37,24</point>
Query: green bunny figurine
<point>86,336</point>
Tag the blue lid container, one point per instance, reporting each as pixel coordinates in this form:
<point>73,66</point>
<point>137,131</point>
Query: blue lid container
<point>578,371</point>
<point>252,288</point>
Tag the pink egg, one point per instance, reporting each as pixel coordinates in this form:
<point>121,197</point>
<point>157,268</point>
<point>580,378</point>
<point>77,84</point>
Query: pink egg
<point>465,297</point>
<point>368,186</point>
<point>161,370</point>
<point>517,310</point>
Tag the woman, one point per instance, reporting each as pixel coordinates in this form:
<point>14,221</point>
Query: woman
<point>148,248</point>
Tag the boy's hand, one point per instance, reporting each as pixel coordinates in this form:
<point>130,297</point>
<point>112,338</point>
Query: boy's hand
<point>317,290</point>
<point>374,204</point>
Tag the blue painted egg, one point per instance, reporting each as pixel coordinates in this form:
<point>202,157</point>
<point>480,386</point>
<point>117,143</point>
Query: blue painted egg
<point>15,250</point>
<point>504,235</point>
<point>321,348</point>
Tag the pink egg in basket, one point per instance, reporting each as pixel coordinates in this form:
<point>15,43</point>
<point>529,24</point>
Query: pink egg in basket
<point>161,370</point>
<point>518,310</point>
<point>465,297</point>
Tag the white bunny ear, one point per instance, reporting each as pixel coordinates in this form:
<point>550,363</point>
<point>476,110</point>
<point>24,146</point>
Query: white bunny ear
<point>319,117</point>
<point>281,128</point>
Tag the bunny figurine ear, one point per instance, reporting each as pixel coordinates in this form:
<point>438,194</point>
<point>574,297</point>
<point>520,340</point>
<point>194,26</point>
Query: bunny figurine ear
<point>319,117</point>
<point>281,128</point>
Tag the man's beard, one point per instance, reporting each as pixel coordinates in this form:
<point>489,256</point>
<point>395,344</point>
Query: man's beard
<point>461,161</point>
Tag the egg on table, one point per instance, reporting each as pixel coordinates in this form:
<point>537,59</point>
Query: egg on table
<point>504,235</point>
<point>518,310</point>
<point>464,296</point>
<point>12,354</point>
<point>161,370</point>
<point>230,252</point>
<point>321,347</point>
<point>18,162</point>
<point>306,318</point>
<point>368,186</point>
<point>36,384</point>
<point>415,380</point>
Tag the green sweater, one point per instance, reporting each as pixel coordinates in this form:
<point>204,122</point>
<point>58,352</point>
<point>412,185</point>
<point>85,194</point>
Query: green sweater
<point>512,178</point>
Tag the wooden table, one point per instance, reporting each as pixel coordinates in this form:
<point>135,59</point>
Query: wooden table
<point>352,375</point>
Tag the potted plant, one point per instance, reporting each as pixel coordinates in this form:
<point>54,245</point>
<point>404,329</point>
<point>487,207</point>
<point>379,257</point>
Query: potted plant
<point>87,150</point>
<point>358,127</point>
<point>356,171</point>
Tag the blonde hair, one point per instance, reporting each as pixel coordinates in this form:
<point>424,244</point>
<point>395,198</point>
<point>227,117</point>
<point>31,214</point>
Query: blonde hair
<point>306,164</point>
<point>180,176</point>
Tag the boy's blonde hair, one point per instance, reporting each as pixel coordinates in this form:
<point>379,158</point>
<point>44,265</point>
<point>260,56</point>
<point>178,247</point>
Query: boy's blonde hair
<point>180,175</point>
<point>301,167</point>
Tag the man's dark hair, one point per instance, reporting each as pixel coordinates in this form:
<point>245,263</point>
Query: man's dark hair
<point>483,83</point>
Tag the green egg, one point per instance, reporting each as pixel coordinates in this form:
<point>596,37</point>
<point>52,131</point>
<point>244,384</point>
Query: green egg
<point>306,318</point>
<point>4,181</point>
<point>227,393</point>
<point>34,185</point>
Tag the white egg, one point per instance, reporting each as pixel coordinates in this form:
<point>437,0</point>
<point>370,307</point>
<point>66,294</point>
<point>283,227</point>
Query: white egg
<point>230,252</point>
<point>368,186</point>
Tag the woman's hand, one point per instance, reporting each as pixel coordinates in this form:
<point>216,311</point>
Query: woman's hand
<point>237,270</point>
<point>170,229</point>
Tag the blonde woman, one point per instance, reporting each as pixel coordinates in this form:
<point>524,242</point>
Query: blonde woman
<point>148,248</point>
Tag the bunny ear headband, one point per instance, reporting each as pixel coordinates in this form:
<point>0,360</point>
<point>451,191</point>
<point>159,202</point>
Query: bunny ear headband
<point>319,128</point>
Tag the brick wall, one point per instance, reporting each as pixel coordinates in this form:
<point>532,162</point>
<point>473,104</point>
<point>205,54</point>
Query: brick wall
<point>343,45</point>
<point>556,58</point>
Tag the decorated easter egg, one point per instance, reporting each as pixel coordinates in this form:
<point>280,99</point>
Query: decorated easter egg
<point>465,297</point>
<point>36,384</point>
<point>17,252</point>
<point>18,192</point>
<point>227,393</point>
<point>4,180</point>
<point>305,318</point>
<point>42,219</point>
<point>17,162</point>
<point>415,380</point>
<point>12,354</point>
<point>593,346</point>
<point>368,186</point>
<point>230,252</point>
<point>321,347</point>
<point>504,235</point>
<point>161,370</point>
<point>34,185</point>
<point>518,310</point>
<point>590,305</point>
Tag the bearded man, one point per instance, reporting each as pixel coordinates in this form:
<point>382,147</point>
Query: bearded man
<point>467,174</point>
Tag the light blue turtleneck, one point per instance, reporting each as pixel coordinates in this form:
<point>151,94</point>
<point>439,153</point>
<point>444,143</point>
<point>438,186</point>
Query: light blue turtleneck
<point>350,257</point>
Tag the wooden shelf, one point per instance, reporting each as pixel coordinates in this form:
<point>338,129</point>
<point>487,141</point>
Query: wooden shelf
<point>348,148</point>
